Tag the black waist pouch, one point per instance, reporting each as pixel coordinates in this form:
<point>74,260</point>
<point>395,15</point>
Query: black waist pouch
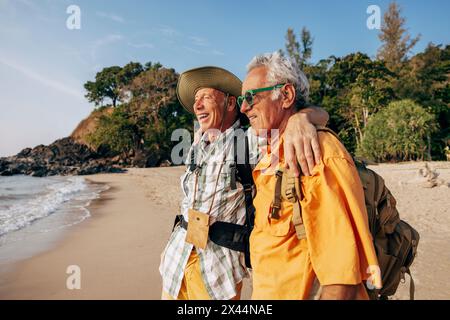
<point>225,234</point>
<point>230,235</point>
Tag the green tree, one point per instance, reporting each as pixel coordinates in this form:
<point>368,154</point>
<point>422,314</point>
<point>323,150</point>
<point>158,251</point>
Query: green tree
<point>396,42</point>
<point>143,126</point>
<point>370,92</point>
<point>109,83</point>
<point>356,87</point>
<point>301,52</point>
<point>397,133</point>
<point>106,85</point>
<point>317,75</point>
<point>293,47</point>
<point>150,65</point>
<point>155,108</point>
<point>426,80</point>
<point>116,131</point>
<point>306,46</point>
<point>128,73</point>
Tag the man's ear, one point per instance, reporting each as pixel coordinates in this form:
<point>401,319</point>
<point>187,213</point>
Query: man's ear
<point>287,96</point>
<point>231,103</point>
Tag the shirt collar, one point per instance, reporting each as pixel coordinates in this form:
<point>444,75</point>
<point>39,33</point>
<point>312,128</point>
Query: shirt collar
<point>273,158</point>
<point>204,141</point>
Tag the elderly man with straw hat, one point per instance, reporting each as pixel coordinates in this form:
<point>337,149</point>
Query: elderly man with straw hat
<point>198,262</point>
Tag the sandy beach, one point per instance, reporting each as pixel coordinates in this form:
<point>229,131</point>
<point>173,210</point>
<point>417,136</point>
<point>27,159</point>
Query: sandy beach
<point>118,248</point>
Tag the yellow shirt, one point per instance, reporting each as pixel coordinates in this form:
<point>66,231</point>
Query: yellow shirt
<point>338,248</point>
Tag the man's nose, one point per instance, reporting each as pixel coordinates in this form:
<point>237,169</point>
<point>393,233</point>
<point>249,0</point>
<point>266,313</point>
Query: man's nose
<point>245,107</point>
<point>198,104</point>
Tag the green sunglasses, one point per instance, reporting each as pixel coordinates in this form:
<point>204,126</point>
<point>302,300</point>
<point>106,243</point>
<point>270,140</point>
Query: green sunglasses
<point>250,94</point>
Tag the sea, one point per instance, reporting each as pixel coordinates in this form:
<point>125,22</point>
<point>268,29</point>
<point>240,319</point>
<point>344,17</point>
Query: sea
<point>34,211</point>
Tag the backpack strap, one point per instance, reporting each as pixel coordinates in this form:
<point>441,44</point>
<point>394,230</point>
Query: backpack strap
<point>293,195</point>
<point>192,165</point>
<point>412,287</point>
<point>409,236</point>
<point>287,186</point>
<point>292,192</point>
<point>244,172</point>
<point>276,203</point>
<point>326,129</point>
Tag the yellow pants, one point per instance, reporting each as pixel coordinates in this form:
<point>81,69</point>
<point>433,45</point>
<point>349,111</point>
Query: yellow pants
<point>192,286</point>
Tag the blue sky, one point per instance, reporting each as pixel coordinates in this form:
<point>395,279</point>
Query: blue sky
<point>43,64</point>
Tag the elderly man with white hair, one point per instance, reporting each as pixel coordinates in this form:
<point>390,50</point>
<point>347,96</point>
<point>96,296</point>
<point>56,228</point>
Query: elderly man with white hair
<point>322,237</point>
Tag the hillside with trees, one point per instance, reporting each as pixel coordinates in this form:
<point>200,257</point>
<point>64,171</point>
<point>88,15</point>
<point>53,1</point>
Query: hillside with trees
<point>145,112</point>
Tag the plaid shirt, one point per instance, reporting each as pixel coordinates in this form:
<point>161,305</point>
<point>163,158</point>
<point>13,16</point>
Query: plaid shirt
<point>221,268</point>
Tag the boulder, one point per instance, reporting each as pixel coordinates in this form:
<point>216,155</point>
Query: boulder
<point>62,157</point>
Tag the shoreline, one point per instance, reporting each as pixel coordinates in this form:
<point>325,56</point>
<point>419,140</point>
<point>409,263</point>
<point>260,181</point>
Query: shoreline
<point>115,248</point>
<point>44,233</point>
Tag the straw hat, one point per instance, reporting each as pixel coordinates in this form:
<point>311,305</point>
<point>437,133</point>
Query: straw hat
<point>217,78</point>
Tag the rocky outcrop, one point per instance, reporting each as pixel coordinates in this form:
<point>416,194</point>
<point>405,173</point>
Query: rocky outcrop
<point>89,124</point>
<point>74,156</point>
<point>62,157</point>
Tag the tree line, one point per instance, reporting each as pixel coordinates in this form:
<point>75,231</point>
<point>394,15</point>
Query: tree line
<point>393,107</point>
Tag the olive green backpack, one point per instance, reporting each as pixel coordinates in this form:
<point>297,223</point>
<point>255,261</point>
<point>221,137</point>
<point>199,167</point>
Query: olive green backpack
<point>395,240</point>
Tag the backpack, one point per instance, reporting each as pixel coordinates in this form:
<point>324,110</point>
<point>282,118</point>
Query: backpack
<point>395,241</point>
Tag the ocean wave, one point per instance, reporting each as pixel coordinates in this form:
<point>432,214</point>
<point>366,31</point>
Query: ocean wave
<point>22,214</point>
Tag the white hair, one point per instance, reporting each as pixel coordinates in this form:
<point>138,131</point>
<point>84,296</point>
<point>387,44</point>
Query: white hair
<point>282,70</point>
